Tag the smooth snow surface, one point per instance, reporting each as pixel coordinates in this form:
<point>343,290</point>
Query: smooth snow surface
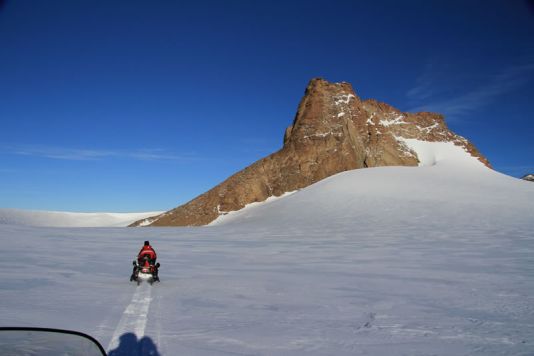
<point>68,219</point>
<point>429,153</point>
<point>225,217</point>
<point>434,260</point>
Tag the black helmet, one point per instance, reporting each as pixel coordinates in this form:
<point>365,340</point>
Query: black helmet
<point>147,243</point>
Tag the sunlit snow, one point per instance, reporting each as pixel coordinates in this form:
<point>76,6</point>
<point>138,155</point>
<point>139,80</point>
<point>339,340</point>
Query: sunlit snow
<point>432,260</point>
<point>69,219</point>
<point>429,153</point>
<point>396,121</point>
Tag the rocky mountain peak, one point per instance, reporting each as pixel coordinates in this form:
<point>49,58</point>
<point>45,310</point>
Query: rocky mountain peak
<point>334,130</point>
<point>321,111</point>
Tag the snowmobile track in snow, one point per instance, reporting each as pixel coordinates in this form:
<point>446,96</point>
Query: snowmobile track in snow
<point>134,317</point>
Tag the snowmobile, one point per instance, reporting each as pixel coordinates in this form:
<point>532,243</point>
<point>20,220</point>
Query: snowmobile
<point>144,270</point>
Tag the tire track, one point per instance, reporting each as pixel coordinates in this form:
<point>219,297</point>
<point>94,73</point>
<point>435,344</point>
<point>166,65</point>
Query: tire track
<point>134,317</point>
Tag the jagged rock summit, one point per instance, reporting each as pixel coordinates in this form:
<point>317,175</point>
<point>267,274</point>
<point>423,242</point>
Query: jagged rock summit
<point>333,131</point>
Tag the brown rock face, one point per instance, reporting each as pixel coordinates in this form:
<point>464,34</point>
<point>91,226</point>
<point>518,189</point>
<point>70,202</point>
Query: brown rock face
<point>333,131</point>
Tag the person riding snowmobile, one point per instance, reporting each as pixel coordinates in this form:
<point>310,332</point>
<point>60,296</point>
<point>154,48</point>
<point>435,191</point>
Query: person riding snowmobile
<point>147,252</point>
<point>147,255</point>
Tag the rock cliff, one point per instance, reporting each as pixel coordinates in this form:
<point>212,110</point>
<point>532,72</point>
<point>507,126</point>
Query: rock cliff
<point>333,131</point>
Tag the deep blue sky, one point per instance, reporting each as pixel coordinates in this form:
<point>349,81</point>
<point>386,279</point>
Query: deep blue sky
<point>142,105</point>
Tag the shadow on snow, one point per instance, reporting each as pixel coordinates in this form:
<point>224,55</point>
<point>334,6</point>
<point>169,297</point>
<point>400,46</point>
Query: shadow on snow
<point>131,346</point>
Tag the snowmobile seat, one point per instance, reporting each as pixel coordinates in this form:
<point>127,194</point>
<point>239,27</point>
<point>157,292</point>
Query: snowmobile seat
<point>147,256</point>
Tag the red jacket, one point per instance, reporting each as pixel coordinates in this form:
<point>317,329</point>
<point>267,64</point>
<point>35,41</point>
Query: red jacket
<point>147,250</point>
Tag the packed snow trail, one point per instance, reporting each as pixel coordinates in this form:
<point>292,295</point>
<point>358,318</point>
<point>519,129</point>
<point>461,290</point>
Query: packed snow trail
<point>135,316</point>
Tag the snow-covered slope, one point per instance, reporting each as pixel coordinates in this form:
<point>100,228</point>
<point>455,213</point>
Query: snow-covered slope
<point>69,219</point>
<point>431,260</point>
<point>449,183</point>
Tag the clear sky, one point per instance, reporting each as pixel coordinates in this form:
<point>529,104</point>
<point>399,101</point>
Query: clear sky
<point>143,105</point>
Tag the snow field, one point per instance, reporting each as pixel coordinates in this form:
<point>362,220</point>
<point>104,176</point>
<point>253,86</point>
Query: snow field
<point>381,290</point>
<point>69,219</point>
<point>434,260</point>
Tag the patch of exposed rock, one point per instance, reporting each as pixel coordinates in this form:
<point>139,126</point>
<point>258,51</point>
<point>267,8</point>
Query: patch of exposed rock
<point>333,131</point>
<point>529,177</point>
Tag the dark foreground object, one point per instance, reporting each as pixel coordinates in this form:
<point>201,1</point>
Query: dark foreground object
<point>48,342</point>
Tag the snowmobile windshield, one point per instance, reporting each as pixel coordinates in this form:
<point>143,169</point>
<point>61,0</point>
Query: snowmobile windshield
<point>47,342</point>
